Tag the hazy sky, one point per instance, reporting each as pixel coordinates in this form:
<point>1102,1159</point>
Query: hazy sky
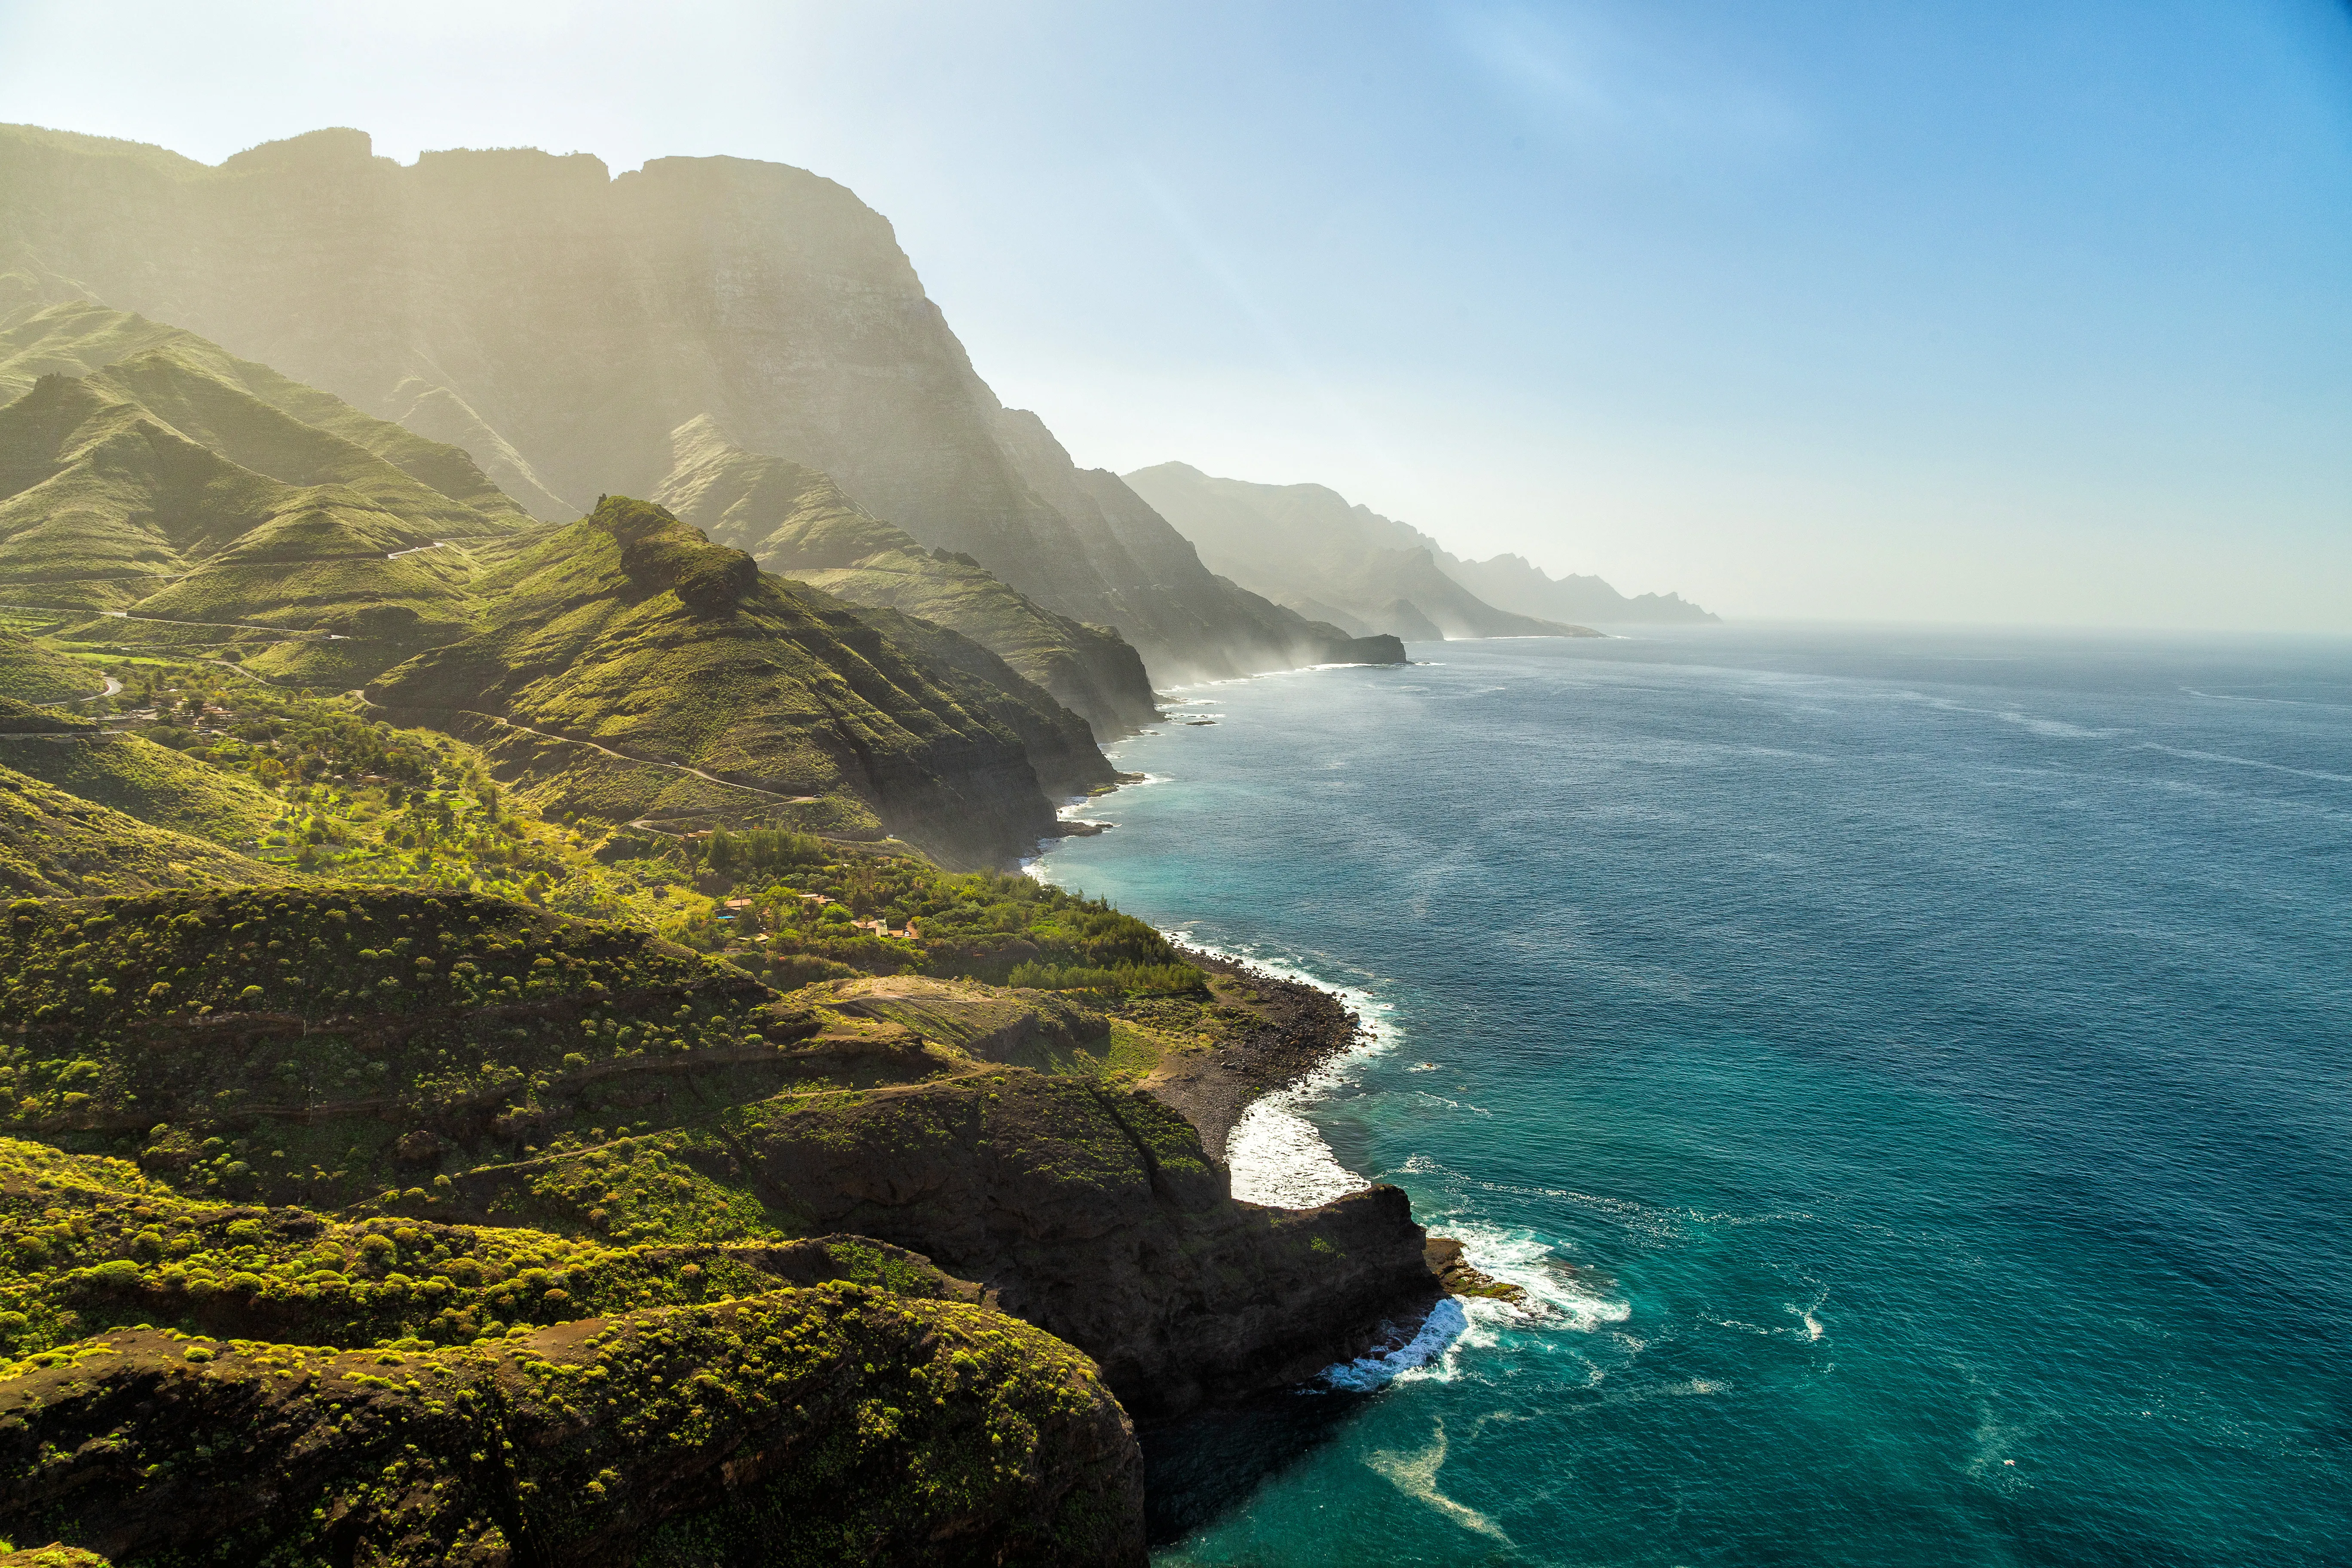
<point>1970,310</point>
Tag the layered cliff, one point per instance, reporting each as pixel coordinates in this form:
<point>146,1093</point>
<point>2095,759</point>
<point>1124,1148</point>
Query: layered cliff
<point>559,323</point>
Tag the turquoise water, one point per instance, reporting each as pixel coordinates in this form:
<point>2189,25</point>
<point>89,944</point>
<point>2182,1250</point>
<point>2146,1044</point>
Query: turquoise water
<point>1909,1072</point>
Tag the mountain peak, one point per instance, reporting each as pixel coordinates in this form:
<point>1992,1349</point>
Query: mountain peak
<point>334,144</point>
<point>660,555</point>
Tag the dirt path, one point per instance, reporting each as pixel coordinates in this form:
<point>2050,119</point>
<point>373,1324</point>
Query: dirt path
<point>290,633</point>
<point>651,762</point>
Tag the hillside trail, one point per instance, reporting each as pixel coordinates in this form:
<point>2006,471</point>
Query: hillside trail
<point>649,761</point>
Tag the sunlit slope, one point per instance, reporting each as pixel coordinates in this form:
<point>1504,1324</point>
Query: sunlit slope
<point>796,522</point>
<point>34,673</point>
<point>631,630</point>
<point>80,339</point>
<point>155,784</point>
<point>157,488</point>
<point>53,843</point>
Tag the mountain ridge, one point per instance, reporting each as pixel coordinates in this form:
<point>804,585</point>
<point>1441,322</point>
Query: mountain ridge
<point>795,521</point>
<point>764,296</point>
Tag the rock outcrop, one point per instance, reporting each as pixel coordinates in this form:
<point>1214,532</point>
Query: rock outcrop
<point>1094,1212</point>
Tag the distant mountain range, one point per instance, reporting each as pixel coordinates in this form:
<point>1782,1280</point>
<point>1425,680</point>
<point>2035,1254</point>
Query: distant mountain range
<point>559,325</point>
<point>1307,547</point>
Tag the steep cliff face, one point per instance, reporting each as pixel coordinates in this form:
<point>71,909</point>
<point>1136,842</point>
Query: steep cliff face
<point>560,324</point>
<point>1096,1214</point>
<point>631,631</point>
<point>795,521</point>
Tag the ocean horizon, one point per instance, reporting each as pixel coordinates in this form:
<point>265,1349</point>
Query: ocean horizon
<point>1904,1068</point>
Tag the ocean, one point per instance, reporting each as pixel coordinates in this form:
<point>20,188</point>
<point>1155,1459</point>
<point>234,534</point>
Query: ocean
<point>1909,1072</point>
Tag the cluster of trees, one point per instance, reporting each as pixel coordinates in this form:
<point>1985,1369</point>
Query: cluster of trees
<point>746,854</point>
<point>983,925</point>
<point>1151,979</point>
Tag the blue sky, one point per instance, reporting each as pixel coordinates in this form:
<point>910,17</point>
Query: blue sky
<point>1973,311</point>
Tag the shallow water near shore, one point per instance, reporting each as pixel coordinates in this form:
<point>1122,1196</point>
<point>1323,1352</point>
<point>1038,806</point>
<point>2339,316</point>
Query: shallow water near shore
<point>1912,1073</point>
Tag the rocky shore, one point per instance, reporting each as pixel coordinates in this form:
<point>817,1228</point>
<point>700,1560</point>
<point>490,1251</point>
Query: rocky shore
<point>1299,1028</point>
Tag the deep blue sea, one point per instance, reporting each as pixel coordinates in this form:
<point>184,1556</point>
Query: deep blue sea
<point>1910,1071</point>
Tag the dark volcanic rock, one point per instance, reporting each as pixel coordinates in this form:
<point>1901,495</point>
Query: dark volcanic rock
<point>1301,1028</point>
<point>1096,1215</point>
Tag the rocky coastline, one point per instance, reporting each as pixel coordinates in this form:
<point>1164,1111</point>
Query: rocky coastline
<point>1300,1029</point>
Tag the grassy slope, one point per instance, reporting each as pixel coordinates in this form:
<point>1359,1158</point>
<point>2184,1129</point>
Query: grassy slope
<point>795,521</point>
<point>629,629</point>
<point>94,493</point>
<point>161,788</point>
<point>103,505</point>
<point>175,481</point>
<point>84,338</point>
<point>31,672</point>
<point>20,717</point>
<point>53,843</point>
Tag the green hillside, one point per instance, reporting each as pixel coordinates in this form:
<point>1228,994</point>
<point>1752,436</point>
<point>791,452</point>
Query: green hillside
<point>190,504</point>
<point>105,505</point>
<point>143,472</point>
<point>33,672</point>
<point>795,521</point>
<point>56,844</point>
<point>82,339</point>
<point>631,631</point>
<point>160,786</point>
<point>316,1059</point>
<point>24,718</point>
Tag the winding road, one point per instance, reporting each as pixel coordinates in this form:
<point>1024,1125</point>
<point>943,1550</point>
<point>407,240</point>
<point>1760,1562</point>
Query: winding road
<point>650,762</point>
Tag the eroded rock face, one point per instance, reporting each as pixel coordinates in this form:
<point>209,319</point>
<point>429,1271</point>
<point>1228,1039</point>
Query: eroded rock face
<point>631,631</point>
<point>558,324</point>
<point>796,522</point>
<point>837,1424</point>
<point>1095,1214</point>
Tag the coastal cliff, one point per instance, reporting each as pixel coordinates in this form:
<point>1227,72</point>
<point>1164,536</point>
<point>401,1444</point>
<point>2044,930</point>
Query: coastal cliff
<point>551,1190</point>
<point>558,323</point>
